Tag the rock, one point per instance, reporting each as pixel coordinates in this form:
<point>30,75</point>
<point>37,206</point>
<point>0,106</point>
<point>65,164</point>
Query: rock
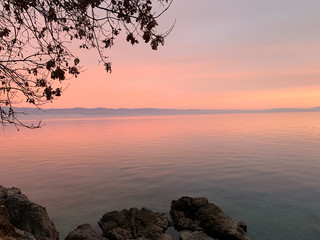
<point>8,231</point>
<point>188,235</point>
<point>28,218</point>
<point>166,237</point>
<point>24,235</point>
<point>163,237</point>
<point>196,218</point>
<point>134,224</point>
<point>173,233</point>
<point>183,213</point>
<point>197,214</point>
<point>84,232</point>
<point>6,227</point>
<point>243,225</point>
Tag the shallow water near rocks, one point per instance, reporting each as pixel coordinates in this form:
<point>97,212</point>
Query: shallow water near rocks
<point>261,168</point>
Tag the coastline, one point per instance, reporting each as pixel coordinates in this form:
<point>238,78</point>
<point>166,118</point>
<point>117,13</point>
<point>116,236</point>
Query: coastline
<point>193,218</point>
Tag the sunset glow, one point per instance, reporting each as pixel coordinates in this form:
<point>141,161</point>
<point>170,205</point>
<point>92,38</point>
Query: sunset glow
<point>220,55</point>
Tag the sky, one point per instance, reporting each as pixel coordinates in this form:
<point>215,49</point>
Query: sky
<point>234,54</point>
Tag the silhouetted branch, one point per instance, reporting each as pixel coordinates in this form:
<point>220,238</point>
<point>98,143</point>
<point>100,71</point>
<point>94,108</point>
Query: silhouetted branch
<point>34,37</point>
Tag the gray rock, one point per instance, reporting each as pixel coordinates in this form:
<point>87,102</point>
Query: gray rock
<point>84,232</point>
<point>134,224</point>
<point>26,217</point>
<point>197,214</point>
<point>187,235</point>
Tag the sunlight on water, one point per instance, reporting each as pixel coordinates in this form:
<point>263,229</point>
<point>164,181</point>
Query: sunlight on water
<point>261,168</point>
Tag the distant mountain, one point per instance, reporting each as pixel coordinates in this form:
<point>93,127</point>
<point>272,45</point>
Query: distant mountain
<point>109,112</point>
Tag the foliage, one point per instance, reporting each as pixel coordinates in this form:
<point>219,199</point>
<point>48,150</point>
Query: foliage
<point>35,38</point>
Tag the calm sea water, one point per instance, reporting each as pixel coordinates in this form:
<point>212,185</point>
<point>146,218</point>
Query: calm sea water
<point>261,168</point>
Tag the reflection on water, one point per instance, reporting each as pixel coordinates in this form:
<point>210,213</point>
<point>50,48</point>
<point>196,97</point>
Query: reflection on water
<point>262,168</point>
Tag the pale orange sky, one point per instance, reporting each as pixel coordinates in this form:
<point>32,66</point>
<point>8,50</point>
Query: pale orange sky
<point>250,54</point>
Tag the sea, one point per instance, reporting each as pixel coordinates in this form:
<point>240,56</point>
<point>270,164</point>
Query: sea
<point>263,168</point>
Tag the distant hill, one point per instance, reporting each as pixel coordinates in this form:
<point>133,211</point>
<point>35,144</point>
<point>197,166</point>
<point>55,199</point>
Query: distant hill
<point>109,112</point>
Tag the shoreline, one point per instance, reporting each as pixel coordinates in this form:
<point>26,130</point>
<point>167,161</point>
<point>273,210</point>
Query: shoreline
<point>191,218</point>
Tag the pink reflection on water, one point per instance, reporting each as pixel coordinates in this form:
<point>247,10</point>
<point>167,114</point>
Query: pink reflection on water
<point>80,167</point>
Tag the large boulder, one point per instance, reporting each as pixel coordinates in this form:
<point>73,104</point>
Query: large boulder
<point>197,214</point>
<point>134,224</point>
<point>84,232</point>
<point>25,217</point>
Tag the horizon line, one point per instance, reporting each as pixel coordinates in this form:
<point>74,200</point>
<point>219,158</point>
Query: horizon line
<point>283,109</point>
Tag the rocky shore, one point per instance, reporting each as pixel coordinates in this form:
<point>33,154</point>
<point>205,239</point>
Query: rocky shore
<point>194,218</point>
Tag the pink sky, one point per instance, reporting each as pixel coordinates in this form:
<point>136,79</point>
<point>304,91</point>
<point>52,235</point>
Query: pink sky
<point>250,54</point>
